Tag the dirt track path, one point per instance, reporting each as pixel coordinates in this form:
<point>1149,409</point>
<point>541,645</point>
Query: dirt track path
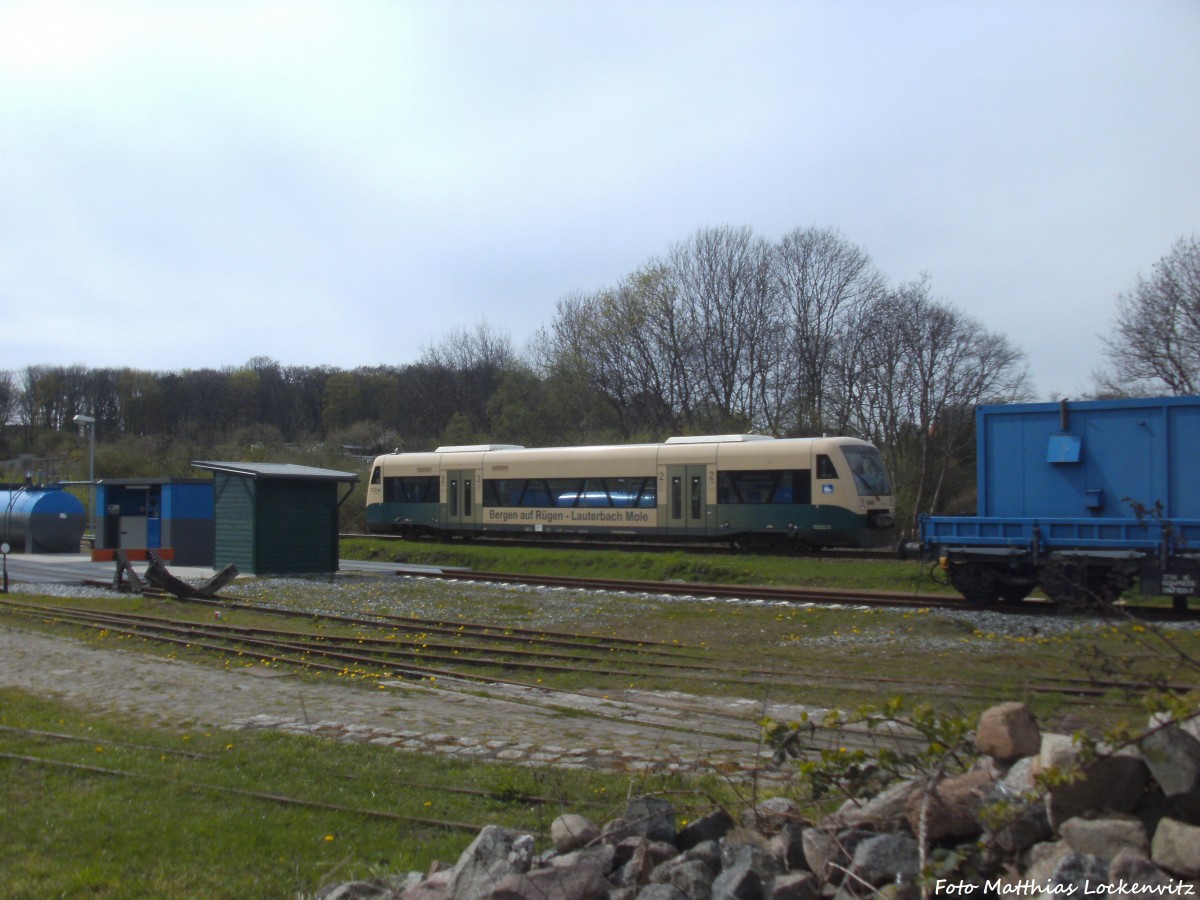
<point>507,724</point>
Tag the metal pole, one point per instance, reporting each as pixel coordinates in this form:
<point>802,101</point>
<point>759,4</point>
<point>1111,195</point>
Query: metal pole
<point>92,479</point>
<point>90,422</point>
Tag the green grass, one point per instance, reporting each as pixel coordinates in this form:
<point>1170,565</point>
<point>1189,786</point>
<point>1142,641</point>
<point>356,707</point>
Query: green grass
<point>173,827</point>
<point>832,572</point>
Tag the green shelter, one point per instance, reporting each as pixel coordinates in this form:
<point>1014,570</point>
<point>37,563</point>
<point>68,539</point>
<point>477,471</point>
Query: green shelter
<point>276,518</point>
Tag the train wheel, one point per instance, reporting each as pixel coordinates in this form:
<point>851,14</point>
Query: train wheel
<point>976,583</point>
<point>1078,584</point>
<point>1015,593</point>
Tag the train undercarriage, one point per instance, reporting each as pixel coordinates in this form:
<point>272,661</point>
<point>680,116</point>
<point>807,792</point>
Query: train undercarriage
<point>1068,577</point>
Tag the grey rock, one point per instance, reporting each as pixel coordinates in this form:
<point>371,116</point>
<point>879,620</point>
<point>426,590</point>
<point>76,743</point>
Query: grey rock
<point>708,853</point>
<point>886,858</point>
<point>571,831</point>
<point>1024,823</point>
<point>829,853</point>
<point>617,830</point>
<point>652,818</point>
<point>743,844</point>
<point>1078,870</point>
<point>1105,838</point>
<point>659,892</point>
<point>495,853</point>
<point>375,889</point>
<point>647,856</point>
<point>1108,784</point>
<point>1044,859</point>
<point>795,886</point>
<point>1176,848</point>
<point>1008,732</point>
<point>583,881</point>
<point>1019,777</point>
<point>601,855</point>
<point>1173,757</point>
<point>788,848</point>
<point>692,877</point>
<point>883,812</point>
<point>741,881</point>
<point>435,887</point>
<point>950,810</point>
<point>1134,868</point>
<point>769,816</point>
<point>709,828</point>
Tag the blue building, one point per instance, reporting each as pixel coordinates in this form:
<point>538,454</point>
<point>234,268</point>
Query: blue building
<point>173,514</point>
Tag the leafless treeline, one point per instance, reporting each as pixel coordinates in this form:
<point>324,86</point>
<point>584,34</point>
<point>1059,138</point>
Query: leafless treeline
<point>730,332</point>
<point>727,332</point>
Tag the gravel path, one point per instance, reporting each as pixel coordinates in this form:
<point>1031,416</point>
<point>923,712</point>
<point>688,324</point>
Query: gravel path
<point>505,724</point>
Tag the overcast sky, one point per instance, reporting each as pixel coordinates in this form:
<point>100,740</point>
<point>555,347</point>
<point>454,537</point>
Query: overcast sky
<point>189,185</point>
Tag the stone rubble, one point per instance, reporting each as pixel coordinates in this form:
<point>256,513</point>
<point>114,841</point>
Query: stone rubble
<point>672,760</point>
<point>1129,824</point>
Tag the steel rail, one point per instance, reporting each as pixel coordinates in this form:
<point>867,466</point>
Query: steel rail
<point>805,595</point>
<point>269,644</point>
<point>243,792</point>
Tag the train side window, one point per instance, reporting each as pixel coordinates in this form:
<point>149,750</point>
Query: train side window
<point>825,467</point>
<point>648,499</point>
<point>467,501</point>
<point>696,495</point>
<point>565,491</point>
<point>537,493</point>
<point>676,497</point>
<point>764,486</point>
<point>377,475</point>
<point>453,500</point>
<point>410,489</point>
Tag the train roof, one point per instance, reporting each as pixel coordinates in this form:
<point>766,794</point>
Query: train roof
<point>764,450</point>
<point>682,440</point>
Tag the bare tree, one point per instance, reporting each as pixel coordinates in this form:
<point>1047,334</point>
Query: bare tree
<point>1155,344</point>
<point>727,302</point>
<point>474,361</point>
<point>8,398</point>
<point>926,367</point>
<point>826,284</point>
<point>626,342</point>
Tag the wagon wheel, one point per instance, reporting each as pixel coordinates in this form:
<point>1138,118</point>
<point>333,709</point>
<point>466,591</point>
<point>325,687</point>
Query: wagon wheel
<point>977,583</point>
<point>1015,593</point>
<point>1078,584</point>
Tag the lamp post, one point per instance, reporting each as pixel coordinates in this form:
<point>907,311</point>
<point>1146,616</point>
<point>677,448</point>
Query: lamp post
<point>90,422</point>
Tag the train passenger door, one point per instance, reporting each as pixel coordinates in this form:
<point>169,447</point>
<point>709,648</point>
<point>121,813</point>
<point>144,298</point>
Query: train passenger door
<point>462,497</point>
<point>687,501</point>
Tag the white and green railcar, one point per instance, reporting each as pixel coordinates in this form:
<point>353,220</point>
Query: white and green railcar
<point>748,490</point>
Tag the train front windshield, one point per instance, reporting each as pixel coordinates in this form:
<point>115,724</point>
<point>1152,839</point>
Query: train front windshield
<point>870,475</point>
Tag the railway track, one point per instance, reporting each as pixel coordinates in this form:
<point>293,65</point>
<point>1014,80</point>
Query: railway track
<point>513,663</point>
<point>567,541</point>
<point>881,599</point>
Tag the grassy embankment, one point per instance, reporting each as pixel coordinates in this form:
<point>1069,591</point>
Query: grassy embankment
<point>190,826</point>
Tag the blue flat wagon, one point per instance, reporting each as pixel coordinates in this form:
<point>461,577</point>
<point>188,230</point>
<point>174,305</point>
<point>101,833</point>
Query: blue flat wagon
<point>1080,499</point>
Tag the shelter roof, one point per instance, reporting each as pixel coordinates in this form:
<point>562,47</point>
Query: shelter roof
<point>276,470</point>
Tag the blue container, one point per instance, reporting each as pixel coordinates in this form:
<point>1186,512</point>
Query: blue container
<point>1090,459</point>
<point>42,520</point>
